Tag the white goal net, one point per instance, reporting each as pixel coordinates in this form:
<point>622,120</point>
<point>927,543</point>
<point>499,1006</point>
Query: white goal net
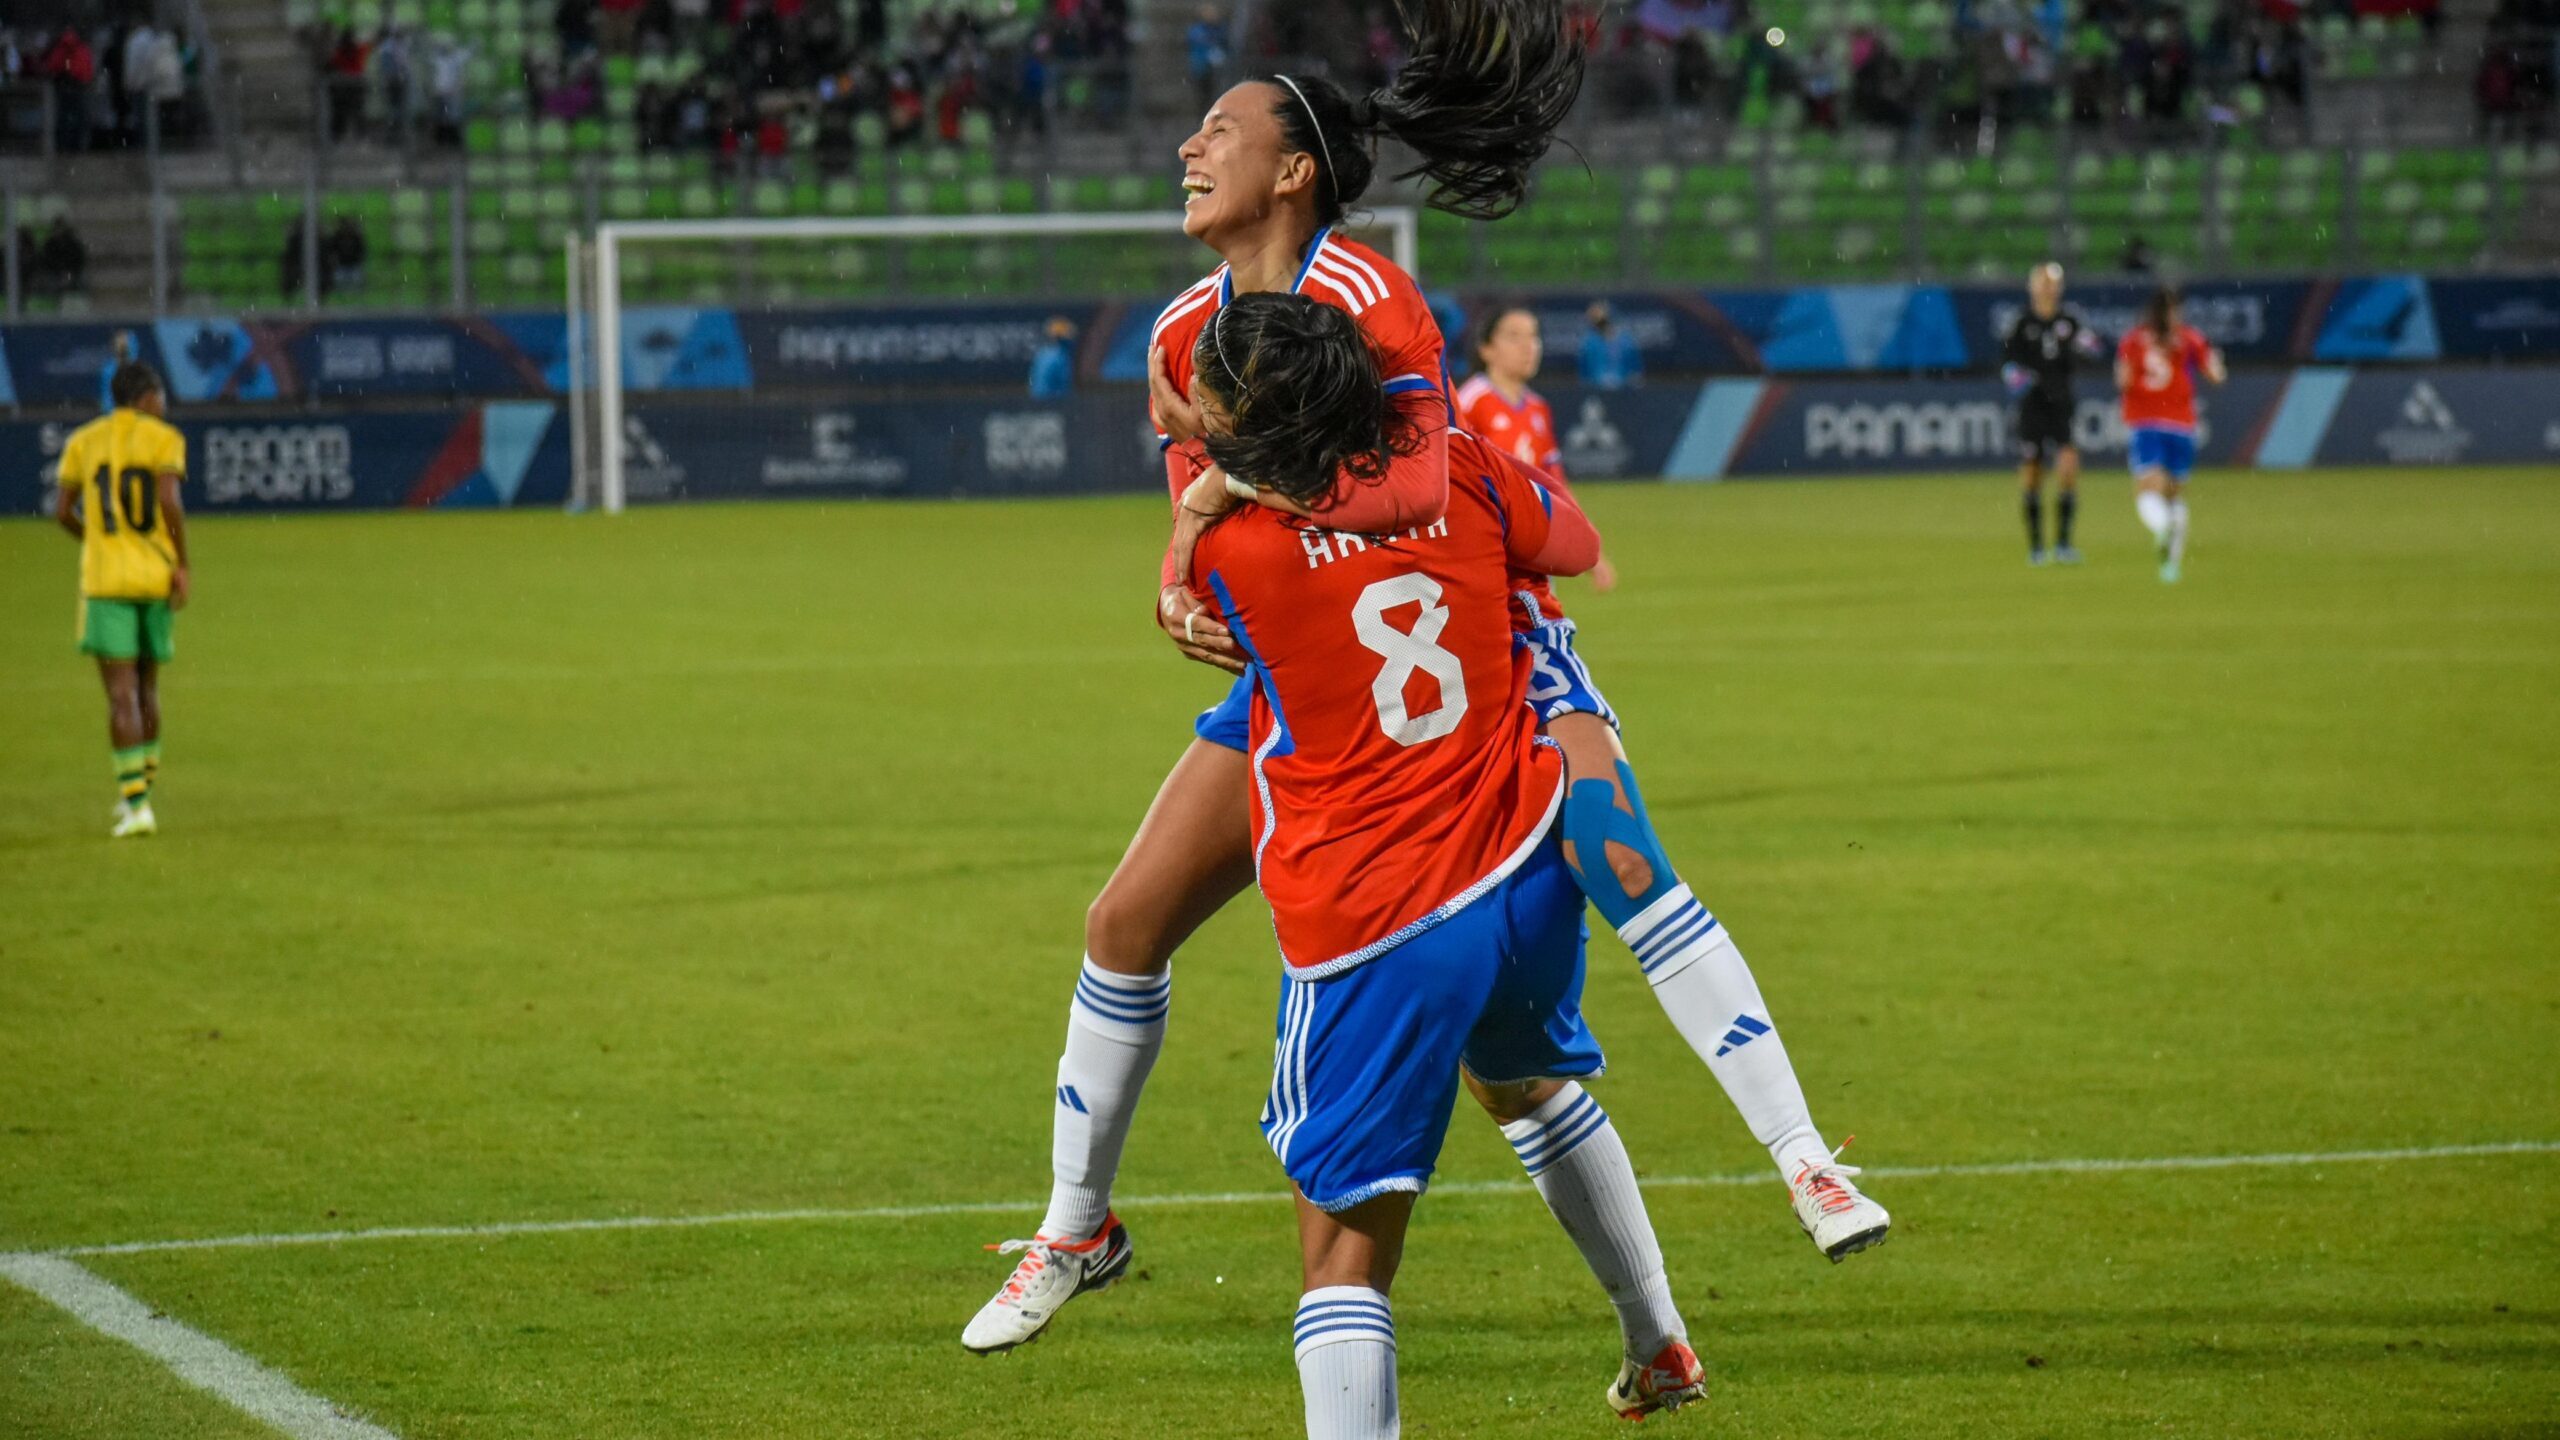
<point>648,270</point>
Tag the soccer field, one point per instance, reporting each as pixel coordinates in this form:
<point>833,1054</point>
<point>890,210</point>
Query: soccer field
<point>729,863</point>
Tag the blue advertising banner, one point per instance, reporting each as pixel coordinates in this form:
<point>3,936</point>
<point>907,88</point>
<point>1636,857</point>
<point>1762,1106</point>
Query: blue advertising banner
<point>2514,319</point>
<point>2378,317</point>
<point>905,345</point>
<point>505,454</point>
<point>2253,321</point>
<point>1087,443</point>
<point>1866,426</point>
<point>2444,417</point>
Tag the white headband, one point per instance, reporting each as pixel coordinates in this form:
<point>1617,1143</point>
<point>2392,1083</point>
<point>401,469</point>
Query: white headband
<point>1318,126</point>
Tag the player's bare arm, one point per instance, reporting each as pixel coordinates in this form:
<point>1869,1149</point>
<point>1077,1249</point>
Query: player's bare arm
<point>173,514</point>
<point>66,509</point>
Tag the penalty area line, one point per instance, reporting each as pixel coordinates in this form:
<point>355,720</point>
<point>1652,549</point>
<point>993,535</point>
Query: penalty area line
<point>190,1354</point>
<point>2092,1166</point>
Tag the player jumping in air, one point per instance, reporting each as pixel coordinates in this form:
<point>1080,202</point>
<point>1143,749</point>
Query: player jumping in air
<point>1271,171</point>
<point>2156,369</point>
<point>2037,359</point>
<point>119,479</point>
<point>1497,404</point>
<point>1405,818</point>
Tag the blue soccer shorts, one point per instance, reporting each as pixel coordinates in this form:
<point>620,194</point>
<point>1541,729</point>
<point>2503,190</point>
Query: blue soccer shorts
<point>1366,1068</point>
<point>1559,683</point>
<point>1230,721</point>
<point>2172,451</point>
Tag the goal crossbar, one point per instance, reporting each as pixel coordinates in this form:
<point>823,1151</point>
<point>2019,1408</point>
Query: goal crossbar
<point>603,288</point>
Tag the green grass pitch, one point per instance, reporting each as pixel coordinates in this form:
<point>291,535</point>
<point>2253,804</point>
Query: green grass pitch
<point>535,868</point>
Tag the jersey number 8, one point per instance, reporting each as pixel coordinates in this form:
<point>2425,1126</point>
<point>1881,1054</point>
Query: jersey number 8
<point>1408,651</point>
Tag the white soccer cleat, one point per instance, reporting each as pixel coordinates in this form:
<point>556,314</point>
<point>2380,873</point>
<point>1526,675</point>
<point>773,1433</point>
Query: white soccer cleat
<point>1841,1220</point>
<point>1051,1273</point>
<point>1674,1378</point>
<point>135,820</point>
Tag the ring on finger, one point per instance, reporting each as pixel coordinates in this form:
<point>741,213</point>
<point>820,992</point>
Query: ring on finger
<point>1189,621</point>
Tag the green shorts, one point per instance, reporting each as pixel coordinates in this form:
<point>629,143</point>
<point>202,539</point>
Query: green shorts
<point>128,630</point>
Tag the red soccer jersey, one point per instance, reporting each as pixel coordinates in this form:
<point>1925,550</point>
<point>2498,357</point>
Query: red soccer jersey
<point>1526,430</point>
<point>1398,322</point>
<point>1396,771</point>
<point>2161,394</point>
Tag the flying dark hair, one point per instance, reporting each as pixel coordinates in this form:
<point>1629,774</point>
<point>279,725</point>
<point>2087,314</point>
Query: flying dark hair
<point>1299,387</point>
<point>132,381</point>
<point>1479,100</point>
<point>2155,311</point>
<point>1482,332</point>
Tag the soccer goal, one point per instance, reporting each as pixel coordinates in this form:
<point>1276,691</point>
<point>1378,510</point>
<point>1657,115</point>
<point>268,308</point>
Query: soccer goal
<point>845,264</point>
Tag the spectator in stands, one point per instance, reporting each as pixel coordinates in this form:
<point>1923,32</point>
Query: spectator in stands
<point>1610,357</point>
<point>129,58</point>
<point>574,22</point>
<point>392,74</point>
<point>62,261</point>
<point>1819,82</point>
<point>120,353</point>
<point>71,68</point>
<point>293,274</point>
<point>1879,84</point>
<point>345,66</point>
<point>618,25</point>
<point>345,249</point>
<point>905,117</point>
<point>1030,110</point>
<point>1205,43</point>
<point>2137,258</point>
<point>448,70</point>
<point>1053,365</point>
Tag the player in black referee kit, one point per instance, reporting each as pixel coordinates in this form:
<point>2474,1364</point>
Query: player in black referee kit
<point>2036,361</point>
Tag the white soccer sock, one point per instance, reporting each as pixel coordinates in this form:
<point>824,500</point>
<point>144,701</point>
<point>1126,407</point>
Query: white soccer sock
<point>1114,1029</point>
<point>1575,1158</point>
<point>2178,528</point>
<point>2153,507</point>
<point>1347,1363</point>
<point>1704,986</point>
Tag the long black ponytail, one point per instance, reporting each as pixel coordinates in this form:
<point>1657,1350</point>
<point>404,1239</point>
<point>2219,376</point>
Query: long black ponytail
<point>1479,100</point>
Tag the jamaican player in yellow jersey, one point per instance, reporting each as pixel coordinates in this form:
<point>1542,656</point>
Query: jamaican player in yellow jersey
<point>119,494</point>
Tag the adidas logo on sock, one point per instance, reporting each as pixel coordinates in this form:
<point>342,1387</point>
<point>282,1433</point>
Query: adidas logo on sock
<point>1068,1097</point>
<point>1745,1030</point>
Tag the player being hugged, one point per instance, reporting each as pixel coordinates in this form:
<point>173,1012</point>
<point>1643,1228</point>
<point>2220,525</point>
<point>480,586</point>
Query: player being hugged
<point>1272,170</point>
<point>1405,820</point>
<point>2038,356</point>
<point>120,477</point>
<point>2156,369</point>
<point>1497,404</point>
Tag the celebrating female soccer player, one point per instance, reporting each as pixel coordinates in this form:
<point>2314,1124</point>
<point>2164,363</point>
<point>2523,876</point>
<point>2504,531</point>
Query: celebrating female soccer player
<point>2156,366</point>
<point>1497,403</point>
<point>1273,168</point>
<point>1407,846</point>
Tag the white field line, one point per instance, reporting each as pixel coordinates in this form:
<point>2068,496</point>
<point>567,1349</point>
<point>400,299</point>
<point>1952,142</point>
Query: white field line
<point>1274,1197</point>
<point>191,1355</point>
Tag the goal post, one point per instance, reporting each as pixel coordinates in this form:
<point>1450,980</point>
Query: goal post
<point>597,270</point>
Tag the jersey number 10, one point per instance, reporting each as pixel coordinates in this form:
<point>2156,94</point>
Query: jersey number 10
<point>1408,651</point>
<point>138,492</point>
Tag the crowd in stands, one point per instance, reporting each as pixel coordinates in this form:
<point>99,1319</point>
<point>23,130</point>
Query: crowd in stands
<point>2146,68</point>
<point>109,84</point>
<point>2519,72</point>
<point>754,81</point>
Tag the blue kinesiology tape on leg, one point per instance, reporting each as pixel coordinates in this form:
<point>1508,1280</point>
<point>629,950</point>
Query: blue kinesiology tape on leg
<point>1592,820</point>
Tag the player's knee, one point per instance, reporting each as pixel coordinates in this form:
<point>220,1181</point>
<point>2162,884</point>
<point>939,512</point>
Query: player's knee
<point>1123,936</point>
<point>1634,872</point>
<point>1514,1099</point>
